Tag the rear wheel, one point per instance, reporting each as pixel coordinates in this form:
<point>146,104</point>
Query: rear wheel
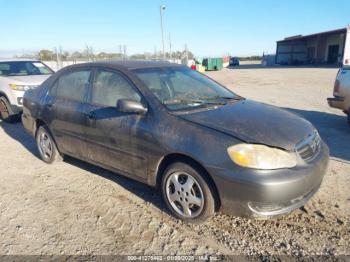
<point>187,193</point>
<point>46,146</point>
<point>6,112</point>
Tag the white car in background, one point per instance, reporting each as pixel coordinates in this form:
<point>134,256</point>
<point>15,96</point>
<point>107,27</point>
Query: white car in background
<point>17,76</point>
<point>341,91</point>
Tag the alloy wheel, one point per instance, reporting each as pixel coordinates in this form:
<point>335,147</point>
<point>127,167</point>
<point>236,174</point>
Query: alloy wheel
<point>185,194</point>
<point>4,112</point>
<point>45,145</point>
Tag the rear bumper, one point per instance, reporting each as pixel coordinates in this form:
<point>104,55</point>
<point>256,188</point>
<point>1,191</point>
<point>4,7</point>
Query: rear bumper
<point>267,193</point>
<point>337,102</point>
<point>29,124</point>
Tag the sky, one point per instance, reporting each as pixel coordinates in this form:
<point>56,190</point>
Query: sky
<point>208,27</point>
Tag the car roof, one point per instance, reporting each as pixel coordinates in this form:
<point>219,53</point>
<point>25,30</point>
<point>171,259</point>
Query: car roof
<point>130,64</point>
<point>17,59</point>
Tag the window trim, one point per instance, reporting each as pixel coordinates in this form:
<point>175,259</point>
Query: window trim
<point>70,71</point>
<point>116,71</point>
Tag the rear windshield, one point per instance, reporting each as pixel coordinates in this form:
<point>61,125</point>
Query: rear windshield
<point>23,68</point>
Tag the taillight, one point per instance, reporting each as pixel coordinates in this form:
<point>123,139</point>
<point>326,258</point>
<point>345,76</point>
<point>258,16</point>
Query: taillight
<point>336,86</point>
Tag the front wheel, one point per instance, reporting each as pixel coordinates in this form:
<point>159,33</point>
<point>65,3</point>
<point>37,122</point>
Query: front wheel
<point>46,145</point>
<point>187,193</point>
<point>6,112</point>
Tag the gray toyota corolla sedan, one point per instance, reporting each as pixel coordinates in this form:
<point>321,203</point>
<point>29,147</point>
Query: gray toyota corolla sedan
<point>170,127</point>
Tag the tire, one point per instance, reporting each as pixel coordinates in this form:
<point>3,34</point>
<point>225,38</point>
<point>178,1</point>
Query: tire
<point>46,146</point>
<point>349,117</point>
<point>6,112</point>
<point>194,203</point>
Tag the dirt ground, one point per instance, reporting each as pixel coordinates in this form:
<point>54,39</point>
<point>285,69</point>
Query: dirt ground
<point>74,208</point>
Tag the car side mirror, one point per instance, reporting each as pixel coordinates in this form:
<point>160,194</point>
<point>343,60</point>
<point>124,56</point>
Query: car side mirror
<point>131,106</point>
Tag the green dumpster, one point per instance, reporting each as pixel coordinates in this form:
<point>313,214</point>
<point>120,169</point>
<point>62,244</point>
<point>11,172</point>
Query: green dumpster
<point>213,63</point>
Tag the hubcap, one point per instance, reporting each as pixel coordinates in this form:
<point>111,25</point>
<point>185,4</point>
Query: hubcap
<point>3,110</point>
<point>185,194</point>
<point>45,145</point>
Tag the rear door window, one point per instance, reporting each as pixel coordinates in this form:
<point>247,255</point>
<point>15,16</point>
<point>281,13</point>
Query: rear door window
<point>73,85</point>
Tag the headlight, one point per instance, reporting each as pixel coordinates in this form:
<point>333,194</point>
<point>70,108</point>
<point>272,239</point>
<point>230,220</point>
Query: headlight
<point>21,87</point>
<point>261,156</point>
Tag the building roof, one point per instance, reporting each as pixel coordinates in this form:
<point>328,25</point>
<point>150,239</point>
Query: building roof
<point>303,37</point>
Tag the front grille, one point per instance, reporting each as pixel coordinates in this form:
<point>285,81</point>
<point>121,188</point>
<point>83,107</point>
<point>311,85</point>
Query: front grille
<point>309,148</point>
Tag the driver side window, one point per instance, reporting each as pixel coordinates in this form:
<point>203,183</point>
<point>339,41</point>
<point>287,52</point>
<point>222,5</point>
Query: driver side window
<point>109,87</point>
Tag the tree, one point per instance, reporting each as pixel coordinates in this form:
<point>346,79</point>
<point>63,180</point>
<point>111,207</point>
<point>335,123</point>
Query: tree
<point>88,54</point>
<point>138,56</point>
<point>45,55</point>
<point>65,55</point>
<point>76,55</point>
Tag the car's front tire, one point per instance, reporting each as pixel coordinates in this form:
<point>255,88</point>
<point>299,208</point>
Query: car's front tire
<point>6,112</point>
<point>187,192</point>
<point>46,145</point>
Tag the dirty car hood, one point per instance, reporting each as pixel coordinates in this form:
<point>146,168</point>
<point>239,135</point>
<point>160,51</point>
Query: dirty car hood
<point>255,122</point>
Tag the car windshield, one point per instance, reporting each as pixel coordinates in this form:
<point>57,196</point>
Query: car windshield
<point>23,68</point>
<point>182,88</point>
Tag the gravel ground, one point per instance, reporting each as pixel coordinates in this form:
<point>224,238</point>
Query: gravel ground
<point>74,208</point>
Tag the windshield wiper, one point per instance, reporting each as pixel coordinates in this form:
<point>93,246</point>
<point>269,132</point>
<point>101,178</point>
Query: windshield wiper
<point>220,97</point>
<point>182,101</point>
<point>200,102</point>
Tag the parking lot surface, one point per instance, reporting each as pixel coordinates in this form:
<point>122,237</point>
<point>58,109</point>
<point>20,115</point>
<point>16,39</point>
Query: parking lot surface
<point>75,208</point>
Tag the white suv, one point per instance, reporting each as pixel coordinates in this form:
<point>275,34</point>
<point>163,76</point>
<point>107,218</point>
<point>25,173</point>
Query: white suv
<point>341,92</point>
<point>17,76</point>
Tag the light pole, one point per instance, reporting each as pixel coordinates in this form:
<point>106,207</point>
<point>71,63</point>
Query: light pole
<point>161,9</point>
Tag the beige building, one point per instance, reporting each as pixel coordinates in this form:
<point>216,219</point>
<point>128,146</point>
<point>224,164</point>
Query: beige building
<point>321,48</point>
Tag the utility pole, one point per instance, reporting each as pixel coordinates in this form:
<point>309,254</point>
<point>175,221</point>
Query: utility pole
<point>61,62</point>
<point>170,54</point>
<point>57,59</point>
<point>162,8</point>
<point>87,52</point>
<point>124,52</point>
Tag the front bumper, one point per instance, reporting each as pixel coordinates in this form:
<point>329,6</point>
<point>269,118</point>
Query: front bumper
<point>16,101</point>
<point>336,102</point>
<point>266,193</point>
